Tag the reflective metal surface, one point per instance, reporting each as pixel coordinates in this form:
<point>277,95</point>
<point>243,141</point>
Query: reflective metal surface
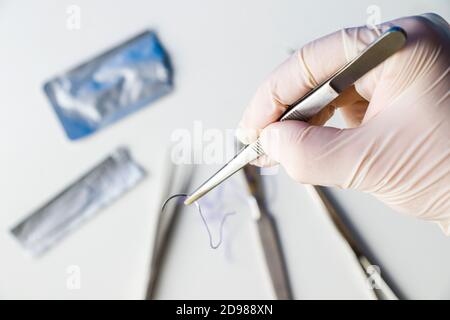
<point>79,202</point>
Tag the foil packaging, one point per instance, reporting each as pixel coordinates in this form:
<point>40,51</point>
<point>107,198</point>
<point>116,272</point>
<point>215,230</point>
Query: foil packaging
<point>80,201</point>
<point>111,85</point>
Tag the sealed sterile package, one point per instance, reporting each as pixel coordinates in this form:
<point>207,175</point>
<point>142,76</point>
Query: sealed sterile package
<point>111,85</point>
<point>81,200</point>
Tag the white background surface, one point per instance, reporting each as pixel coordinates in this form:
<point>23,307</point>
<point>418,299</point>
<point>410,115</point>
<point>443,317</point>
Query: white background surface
<point>221,50</point>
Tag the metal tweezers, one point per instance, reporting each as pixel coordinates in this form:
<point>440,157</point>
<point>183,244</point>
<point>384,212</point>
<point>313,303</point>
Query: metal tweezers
<point>264,221</point>
<point>267,231</point>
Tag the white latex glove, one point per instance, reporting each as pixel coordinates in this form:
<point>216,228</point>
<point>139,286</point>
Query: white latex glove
<point>398,144</point>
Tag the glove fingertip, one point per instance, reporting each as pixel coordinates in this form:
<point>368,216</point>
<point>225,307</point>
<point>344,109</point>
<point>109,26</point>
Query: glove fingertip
<point>246,135</point>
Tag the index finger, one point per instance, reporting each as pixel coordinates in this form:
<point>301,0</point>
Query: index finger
<point>300,73</point>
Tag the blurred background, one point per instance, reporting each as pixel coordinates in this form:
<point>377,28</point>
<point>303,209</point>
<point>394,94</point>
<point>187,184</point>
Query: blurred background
<point>220,51</point>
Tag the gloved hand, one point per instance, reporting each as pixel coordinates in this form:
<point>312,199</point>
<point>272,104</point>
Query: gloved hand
<point>397,146</point>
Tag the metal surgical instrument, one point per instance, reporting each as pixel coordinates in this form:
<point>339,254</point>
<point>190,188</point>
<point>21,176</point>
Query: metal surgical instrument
<point>314,101</point>
<point>268,235</point>
<point>379,287</point>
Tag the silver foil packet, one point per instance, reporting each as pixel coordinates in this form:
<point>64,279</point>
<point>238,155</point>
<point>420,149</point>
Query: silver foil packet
<point>95,190</point>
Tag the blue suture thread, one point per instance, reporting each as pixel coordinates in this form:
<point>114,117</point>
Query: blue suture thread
<point>211,244</point>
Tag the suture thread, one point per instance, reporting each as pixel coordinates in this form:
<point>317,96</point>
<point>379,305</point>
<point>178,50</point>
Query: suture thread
<point>222,222</point>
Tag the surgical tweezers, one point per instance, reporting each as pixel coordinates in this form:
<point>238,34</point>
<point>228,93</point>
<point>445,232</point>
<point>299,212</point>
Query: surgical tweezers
<point>313,102</point>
